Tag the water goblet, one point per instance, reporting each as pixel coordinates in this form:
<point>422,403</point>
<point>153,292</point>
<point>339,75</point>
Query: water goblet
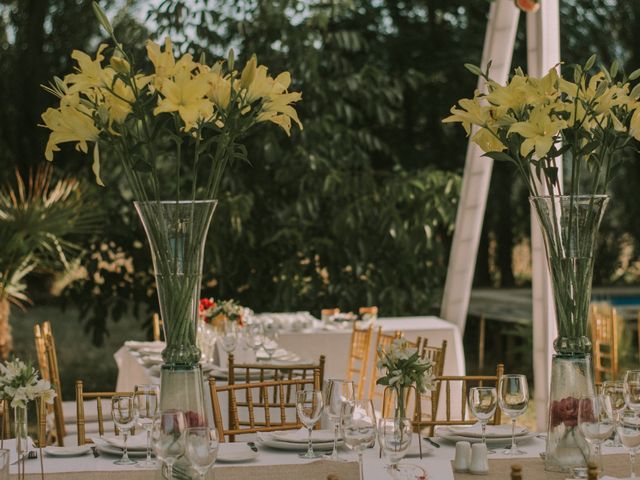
<point>358,427</point>
<point>202,449</point>
<point>168,437</point>
<point>513,398</point>
<point>482,403</point>
<point>124,417</point>
<point>632,390</point>
<point>229,336</point>
<point>628,430</point>
<point>146,400</point>
<point>595,422</point>
<point>270,342</point>
<point>394,435</point>
<point>337,392</point>
<point>309,406</point>
<point>253,337</point>
<point>615,392</point>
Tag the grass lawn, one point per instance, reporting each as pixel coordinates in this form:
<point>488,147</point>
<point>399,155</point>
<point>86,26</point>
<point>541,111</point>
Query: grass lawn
<point>78,358</point>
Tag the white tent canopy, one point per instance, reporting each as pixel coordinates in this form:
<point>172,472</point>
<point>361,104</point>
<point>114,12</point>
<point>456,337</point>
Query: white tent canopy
<point>543,53</point>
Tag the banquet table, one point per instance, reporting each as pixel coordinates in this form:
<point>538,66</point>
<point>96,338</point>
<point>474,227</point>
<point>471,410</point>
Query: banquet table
<point>273,464</point>
<point>334,344</point>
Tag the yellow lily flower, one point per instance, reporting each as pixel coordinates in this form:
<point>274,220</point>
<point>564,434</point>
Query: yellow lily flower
<point>186,95</point>
<point>514,96</point>
<point>487,141</point>
<point>634,126</point>
<point>90,73</point>
<point>471,112</point>
<point>219,89</point>
<point>538,131</point>
<point>164,62</point>
<point>72,122</point>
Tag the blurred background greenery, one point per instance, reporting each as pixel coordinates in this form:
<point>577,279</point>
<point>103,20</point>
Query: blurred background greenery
<point>356,209</point>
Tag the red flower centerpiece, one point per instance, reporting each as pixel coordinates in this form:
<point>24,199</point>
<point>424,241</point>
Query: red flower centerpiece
<point>214,313</point>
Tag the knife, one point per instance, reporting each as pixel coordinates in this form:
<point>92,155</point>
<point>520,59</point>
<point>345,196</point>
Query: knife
<point>252,446</point>
<point>435,444</point>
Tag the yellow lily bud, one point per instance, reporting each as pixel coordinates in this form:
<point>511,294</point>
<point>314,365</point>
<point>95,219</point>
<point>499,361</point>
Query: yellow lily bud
<point>231,59</point>
<point>248,73</point>
<point>120,65</point>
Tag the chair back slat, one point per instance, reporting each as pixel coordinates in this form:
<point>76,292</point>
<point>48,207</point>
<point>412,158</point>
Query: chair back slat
<point>604,324</point>
<point>384,341</point>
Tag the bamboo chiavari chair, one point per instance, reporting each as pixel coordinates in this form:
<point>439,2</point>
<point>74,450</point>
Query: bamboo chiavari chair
<point>99,397</point>
<point>444,383</point>
<point>284,418</point>
<point>359,356</point>
<point>604,338</point>
<point>383,340</point>
<point>437,356</point>
<point>258,372</point>
<point>6,414</point>
<point>48,365</point>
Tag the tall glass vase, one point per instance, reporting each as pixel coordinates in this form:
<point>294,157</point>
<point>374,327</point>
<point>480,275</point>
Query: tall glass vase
<point>21,430</point>
<point>570,226</point>
<point>177,231</point>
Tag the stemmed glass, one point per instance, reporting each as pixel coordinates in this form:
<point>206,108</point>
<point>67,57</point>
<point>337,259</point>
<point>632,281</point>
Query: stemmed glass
<point>309,406</point>
<point>202,449</point>
<point>124,417</point>
<point>253,337</point>
<point>614,391</point>
<point>395,438</point>
<point>513,398</point>
<point>146,399</point>
<point>482,403</point>
<point>632,390</point>
<point>358,427</point>
<point>336,393</point>
<point>595,421</point>
<point>270,342</point>
<point>168,436</point>
<point>628,430</point>
<point>229,336</point>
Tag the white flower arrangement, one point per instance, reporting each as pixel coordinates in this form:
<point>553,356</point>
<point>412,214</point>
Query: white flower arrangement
<point>405,367</point>
<point>21,383</point>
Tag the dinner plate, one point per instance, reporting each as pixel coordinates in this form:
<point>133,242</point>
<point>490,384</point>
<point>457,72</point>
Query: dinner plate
<point>104,447</point>
<point>491,441</point>
<point>266,439</point>
<point>54,451</point>
<point>235,453</point>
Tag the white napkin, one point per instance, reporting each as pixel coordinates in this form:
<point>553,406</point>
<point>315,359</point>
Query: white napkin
<point>493,431</point>
<point>134,442</point>
<point>136,345</point>
<point>10,444</point>
<point>302,436</point>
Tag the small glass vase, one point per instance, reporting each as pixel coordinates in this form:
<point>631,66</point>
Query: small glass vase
<point>569,226</point>
<point>21,430</point>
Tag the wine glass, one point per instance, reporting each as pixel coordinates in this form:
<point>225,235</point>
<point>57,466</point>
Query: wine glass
<point>513,398</point>
<point>628,430</point>
<point>124,417</point>
<point>615,392</point>
<point>202,449</point>
<point>253,337</point>
<point>270,342</point>
<point>229,336</point>
<point>632,390</point>
<point>309,406</point>
<point>483,402</point>
<point>336,393</point>
<point>595,421</point>
<point>168,436</point>
<point>146,399</point>
<point>394,435</point>
<point>358,427</point>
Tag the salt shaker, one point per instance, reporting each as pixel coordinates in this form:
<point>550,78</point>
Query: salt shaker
<point>479,462</point>
<point>462,460</point>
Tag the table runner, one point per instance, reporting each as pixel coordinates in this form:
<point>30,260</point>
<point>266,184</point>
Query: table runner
<point>615,465</point>
<point>318,470</point>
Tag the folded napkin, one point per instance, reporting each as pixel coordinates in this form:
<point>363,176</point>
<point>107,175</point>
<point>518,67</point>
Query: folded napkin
<point>302,436</point>
<point>493,431</point>
<point>136,345</point>
<point>134,442</point>
<point>10,444</point>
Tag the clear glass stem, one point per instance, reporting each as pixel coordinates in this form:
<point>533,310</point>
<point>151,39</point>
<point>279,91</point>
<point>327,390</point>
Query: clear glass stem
<point>598,449</point>
<point>632,464</point>
<point>514,447</point>
<point>125,453</point>
<point>360,466</point>
<point>484,432</point>
<point>334,452</point>
<point>148,446</point>
<point>310,449</point>
<point>169,470</point>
